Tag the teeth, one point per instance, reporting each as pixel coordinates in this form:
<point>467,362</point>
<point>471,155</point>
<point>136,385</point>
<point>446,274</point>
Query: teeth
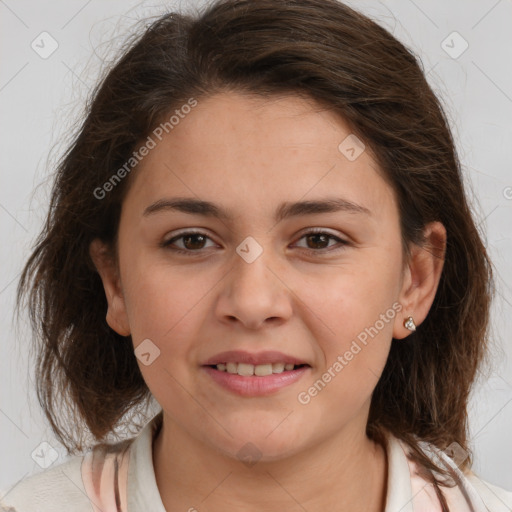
<point>231,367</point>
<point>261,370</point>
<point>246,370</point>
<point>278,367</point>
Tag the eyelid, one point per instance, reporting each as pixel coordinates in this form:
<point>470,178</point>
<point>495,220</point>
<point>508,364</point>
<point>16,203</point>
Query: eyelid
<point>324,231</point>
<point>185,232</point>
<point>307,231</point>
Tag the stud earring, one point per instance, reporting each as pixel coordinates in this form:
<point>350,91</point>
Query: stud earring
<point>409,324</point>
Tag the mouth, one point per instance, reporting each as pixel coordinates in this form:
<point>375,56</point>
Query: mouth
<point>252,374</point>
<point>260,370</point>
<point>247,380</point>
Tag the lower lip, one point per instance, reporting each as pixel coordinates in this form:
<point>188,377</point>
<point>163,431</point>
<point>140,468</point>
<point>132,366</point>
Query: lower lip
<point>255,385</point>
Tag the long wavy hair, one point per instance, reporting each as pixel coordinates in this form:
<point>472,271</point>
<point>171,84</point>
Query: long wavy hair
<point>87,375</point>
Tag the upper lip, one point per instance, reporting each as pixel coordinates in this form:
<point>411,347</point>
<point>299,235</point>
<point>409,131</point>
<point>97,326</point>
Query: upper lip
<point>240,356</point>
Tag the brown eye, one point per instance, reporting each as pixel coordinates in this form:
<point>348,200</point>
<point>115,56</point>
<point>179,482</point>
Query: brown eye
<point>193,241</point>
<point>318,242</point>
<point>189,242</point>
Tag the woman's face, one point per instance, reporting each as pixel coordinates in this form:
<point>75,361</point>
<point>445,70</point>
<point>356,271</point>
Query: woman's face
<point>257,279</point>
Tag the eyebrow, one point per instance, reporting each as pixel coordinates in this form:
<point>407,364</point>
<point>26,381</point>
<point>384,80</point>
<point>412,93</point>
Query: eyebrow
<point>284,211</point>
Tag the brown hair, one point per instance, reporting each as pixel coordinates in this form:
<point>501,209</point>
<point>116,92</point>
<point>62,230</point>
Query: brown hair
<point>323,50</point>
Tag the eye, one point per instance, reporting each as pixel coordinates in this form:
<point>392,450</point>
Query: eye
<point>320,240</point>
<point>192,241</point>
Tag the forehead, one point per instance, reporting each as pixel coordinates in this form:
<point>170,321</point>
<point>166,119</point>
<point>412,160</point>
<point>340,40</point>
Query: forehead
<point>251,154</point>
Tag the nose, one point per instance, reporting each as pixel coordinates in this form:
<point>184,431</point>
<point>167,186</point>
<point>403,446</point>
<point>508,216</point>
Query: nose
<point>254,294</point>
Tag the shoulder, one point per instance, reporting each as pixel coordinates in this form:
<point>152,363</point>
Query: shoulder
<point>495,498</point>
<point>57,488</point>
<point>467,491</point>
<point>72,485</point>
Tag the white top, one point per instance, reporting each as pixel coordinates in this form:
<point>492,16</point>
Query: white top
<point>121,478</point>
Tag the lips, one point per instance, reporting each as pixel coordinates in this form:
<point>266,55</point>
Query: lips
<point>255,385</point>
<point>255,359</point>
<point>255,374</point>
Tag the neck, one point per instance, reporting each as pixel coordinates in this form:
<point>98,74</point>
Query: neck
<point>348,472</point>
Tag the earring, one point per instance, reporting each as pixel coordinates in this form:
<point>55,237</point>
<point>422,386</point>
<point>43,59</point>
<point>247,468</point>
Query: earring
<point>409,324</point>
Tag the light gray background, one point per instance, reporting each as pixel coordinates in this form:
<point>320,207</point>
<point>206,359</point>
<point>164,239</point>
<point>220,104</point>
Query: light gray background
<point>40,98</point>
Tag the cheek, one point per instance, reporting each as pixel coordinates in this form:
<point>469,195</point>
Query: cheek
<point>354,311</point>
<point>352,356</point>
<point>165,307</point>
<point>168,305</point>
<point>160,298</point>
<point>353,296</point>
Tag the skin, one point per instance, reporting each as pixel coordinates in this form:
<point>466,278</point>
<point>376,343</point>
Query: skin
<point>248,155</point>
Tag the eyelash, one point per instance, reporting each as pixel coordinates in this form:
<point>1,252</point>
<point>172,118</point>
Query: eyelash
<point>167,244</point>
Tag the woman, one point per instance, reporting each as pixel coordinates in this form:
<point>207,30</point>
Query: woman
<point>262,225</point>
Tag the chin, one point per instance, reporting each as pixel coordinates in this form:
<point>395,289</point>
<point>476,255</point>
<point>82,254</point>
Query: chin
<point>254,447</point>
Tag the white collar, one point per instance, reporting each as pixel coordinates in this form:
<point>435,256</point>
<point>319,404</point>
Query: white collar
<point>403,489</point>
<point>143,493</point>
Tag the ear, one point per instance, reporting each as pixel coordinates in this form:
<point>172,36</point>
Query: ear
<point>420,279</point>
<point>106,266</point>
